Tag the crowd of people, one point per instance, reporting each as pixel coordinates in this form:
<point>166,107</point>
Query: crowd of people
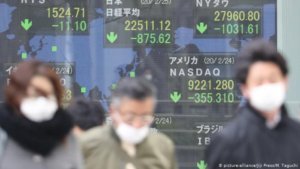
<point>38,132</point>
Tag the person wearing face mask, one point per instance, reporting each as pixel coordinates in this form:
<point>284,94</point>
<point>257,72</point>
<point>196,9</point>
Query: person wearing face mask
<point>262,133</point>
<point>34,129</point>
<point>128,142</point>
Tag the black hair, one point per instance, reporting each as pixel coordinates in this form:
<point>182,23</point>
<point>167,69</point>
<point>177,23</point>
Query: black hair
<point>86,113</point>
<point>134,88</point>
<point>256,51</point>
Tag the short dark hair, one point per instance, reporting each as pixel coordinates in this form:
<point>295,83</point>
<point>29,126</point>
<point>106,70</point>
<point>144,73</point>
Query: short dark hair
<point>256,51</point>
<point>21,77</point>
<point>86,113</point>
<point>134,88</point>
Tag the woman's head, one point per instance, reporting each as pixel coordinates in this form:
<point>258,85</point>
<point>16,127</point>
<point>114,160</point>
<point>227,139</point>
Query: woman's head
<point>33,79</point>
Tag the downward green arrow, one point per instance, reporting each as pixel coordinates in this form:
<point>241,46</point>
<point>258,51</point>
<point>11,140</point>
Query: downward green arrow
<point>201,165</point>
<point>175,96</point>
<point>202,27</point>
<point>26,24</point>
<point>112,37</point>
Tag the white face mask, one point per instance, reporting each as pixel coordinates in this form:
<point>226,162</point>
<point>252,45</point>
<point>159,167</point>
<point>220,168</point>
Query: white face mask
<point>267,98</point>
<point>39,109</point>
<point>131,134</point>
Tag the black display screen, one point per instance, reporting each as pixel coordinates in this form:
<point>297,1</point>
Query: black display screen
<point>187,48</point>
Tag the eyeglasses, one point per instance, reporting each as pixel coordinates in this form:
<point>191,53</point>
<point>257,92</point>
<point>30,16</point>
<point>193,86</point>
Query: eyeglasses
<point>130,118</point>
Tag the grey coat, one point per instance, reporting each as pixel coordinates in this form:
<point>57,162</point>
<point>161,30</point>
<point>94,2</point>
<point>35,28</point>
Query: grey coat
<point>13,156</point>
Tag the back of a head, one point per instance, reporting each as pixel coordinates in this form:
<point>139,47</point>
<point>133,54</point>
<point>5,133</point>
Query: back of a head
<point>256,51</point>
<point>86,113</point>
<point>133,88</point>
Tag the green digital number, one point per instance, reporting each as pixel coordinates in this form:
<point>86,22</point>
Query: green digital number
<point>77,26</point>
<point>203,97</point>
<point>153,38</point>
<point>225,97</point>
<point>235,29</point>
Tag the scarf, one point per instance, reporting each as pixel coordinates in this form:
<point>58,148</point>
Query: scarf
<point>40,138</point>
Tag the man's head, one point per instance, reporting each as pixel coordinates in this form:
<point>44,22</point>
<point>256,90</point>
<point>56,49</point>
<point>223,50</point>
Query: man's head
<point>262,72</point>
<point>86,114</point>
<point>132,108</point>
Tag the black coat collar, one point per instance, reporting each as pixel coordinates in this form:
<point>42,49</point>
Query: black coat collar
<point>256,116</point>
